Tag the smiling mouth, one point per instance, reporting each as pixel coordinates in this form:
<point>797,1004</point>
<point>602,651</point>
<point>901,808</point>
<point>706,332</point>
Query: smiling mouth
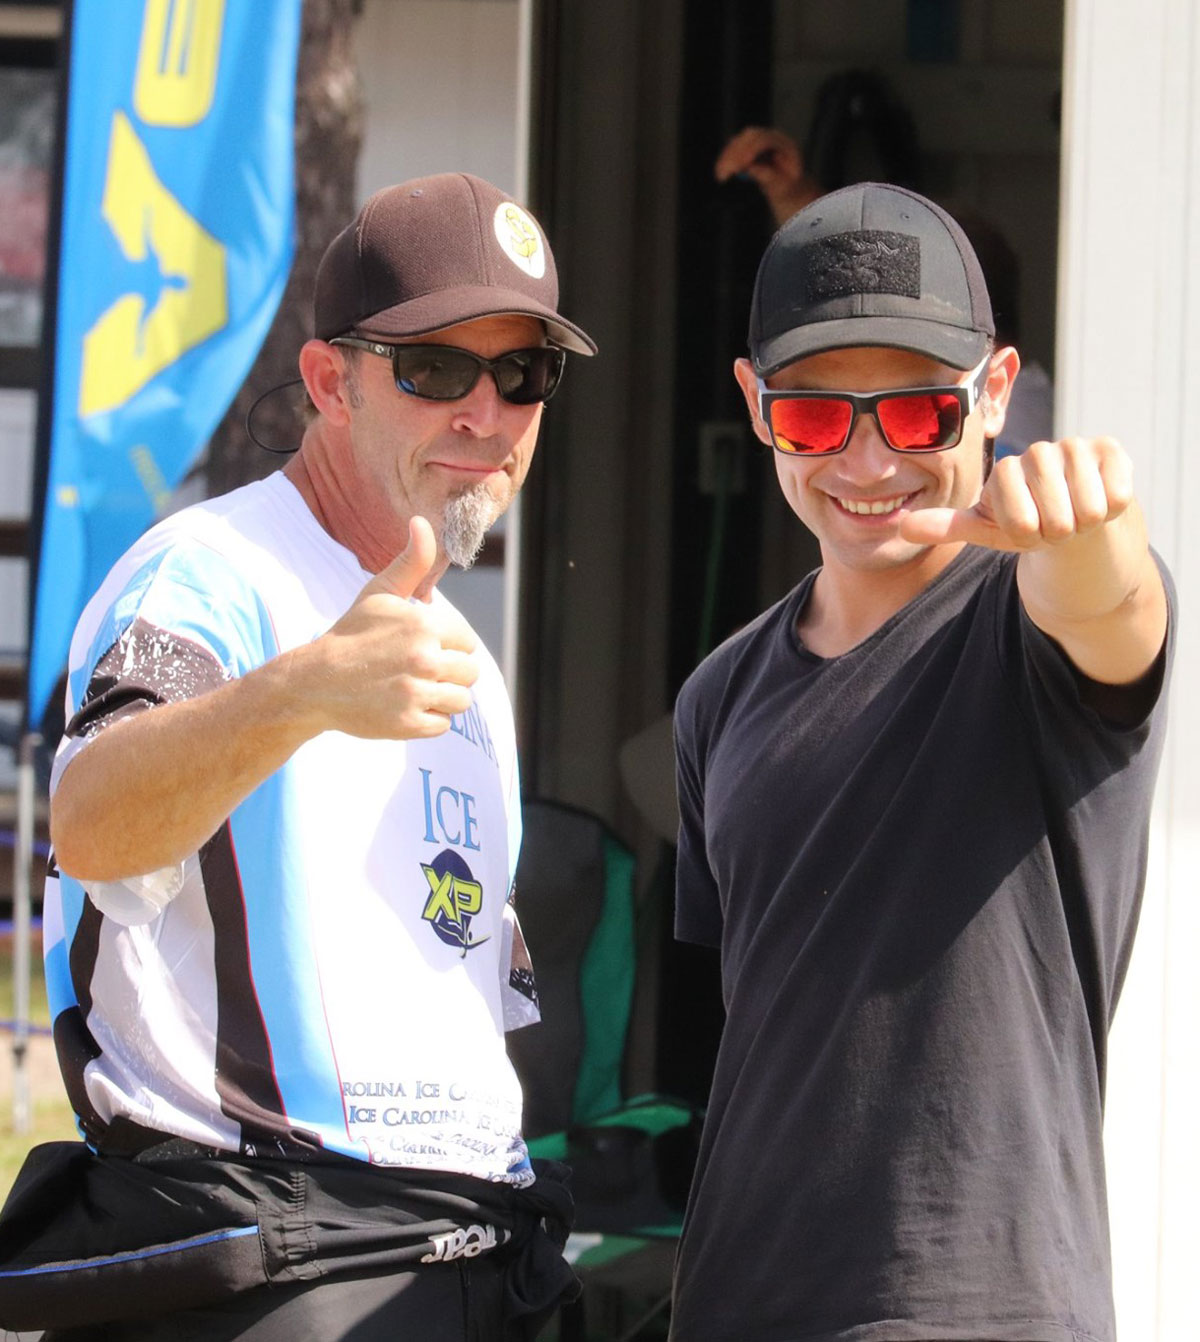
<point>872,507</point>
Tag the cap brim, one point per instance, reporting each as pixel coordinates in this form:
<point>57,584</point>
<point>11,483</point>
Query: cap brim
<point>450,307</point>
<point>952,345</point>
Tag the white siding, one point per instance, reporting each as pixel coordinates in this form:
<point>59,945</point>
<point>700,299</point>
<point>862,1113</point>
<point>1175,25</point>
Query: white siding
<point>1129,364</point>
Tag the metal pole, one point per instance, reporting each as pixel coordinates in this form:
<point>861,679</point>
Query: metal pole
<point>22,921</point>
<point>510,632</point>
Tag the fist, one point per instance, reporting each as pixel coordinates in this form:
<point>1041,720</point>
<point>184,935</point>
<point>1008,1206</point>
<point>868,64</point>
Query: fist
<point>1051,493</point>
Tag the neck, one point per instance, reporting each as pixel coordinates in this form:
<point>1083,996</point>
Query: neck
<point>847,605</point>
<point>322,472</point>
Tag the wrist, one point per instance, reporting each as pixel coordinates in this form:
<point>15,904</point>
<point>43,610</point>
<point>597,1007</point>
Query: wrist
<point>292,686</point>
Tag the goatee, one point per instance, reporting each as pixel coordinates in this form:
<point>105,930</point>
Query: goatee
<point>465,522</point>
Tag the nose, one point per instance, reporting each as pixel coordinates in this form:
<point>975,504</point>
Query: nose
<point>478,412</point>
<point>866,455</point>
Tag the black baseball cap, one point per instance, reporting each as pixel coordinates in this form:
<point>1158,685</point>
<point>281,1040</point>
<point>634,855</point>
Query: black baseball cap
<point>870,264</point>
<point>433,252</point>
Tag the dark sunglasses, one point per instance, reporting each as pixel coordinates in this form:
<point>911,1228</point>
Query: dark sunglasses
<point>916,419</point>
<point>446,373</point>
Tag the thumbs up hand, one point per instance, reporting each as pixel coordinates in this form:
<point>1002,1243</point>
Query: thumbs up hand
<point>393,666</point>
<point>405,574</point>
<point>1051,494</point>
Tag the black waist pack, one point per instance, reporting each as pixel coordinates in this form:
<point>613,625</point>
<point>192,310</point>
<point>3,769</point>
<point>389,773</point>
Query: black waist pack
<point>88,1239</point>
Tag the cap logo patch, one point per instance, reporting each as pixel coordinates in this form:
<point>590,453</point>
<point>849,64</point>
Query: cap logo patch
<point>519,239</point>
<point>867,261</point>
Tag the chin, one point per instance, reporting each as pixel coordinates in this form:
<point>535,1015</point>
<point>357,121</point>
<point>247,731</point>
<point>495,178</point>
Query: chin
<point>466,519</point>
<point>893,553</point>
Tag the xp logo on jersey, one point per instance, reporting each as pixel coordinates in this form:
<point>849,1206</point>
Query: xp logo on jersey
<point>455,897</point>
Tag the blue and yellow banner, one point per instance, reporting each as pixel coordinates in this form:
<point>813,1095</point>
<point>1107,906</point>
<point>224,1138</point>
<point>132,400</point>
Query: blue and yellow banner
<point>175,245</point>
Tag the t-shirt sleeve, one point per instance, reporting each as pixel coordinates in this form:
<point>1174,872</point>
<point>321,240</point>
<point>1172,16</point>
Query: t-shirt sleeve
<point>1097,772</point>
<point>698,915</point>
<point>1120,717</point>
<point>181,625</point>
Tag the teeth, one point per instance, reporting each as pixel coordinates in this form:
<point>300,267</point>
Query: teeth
<point>871,507</point>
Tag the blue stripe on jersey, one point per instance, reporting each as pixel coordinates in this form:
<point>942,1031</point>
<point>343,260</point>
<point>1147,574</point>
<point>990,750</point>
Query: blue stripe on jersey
<point>203,598</point>
<point>60,990</point>
<point>196,594</point>
<point>282,963</point>
<point>60,993</point>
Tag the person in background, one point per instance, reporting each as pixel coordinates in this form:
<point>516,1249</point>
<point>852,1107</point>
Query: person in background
<point>860,130</point>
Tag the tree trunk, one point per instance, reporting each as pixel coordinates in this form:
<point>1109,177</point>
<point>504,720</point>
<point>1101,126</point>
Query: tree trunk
<point>328,136</point>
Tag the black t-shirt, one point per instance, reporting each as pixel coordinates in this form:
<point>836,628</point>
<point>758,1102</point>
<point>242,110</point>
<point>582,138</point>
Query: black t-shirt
<point>922,862</point>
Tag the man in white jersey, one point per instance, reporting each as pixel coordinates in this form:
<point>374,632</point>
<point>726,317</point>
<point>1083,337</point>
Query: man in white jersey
<point>281,950</point>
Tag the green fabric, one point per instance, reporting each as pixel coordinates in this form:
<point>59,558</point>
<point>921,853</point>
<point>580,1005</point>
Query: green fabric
<point>606,990</point>
<point>553,1146</point>
<point>611,1247</point>
<point>606,984</point>
<point>650,1113</point>
<point>647,1112</point>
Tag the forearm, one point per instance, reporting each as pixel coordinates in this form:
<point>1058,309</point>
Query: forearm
<point>1100,595</point>
<point>151,789</point>
<point>148,791</point>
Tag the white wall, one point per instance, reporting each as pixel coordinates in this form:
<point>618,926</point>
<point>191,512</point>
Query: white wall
<point>440,82</point>
<point>1129,364</point>
<point>441,86</point>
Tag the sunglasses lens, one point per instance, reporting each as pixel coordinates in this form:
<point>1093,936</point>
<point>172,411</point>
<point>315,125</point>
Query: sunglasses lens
<point>433,372</point>
<point>528,376</point>
<point>810,424</point>
<point>442,373</point>
<point>920,423</point>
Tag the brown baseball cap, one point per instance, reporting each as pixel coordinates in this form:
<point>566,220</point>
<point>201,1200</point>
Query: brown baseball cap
<point>436,251</point>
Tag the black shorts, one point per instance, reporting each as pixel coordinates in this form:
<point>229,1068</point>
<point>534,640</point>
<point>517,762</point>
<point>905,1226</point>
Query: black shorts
<point>103,1247</point>
<point>452,1302</point>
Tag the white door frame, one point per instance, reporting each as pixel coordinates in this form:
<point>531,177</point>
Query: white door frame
<point>1129,365</point>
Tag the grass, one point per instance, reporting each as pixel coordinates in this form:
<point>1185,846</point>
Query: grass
<point>52,1118</point>
<point>39,1011</point>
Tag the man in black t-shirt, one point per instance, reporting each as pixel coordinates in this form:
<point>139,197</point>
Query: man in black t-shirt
<point>914,804</point>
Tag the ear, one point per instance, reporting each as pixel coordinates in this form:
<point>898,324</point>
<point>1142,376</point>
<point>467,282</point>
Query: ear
<point>323,368</point>
<point>743,370</point>
<point>1002,373</point>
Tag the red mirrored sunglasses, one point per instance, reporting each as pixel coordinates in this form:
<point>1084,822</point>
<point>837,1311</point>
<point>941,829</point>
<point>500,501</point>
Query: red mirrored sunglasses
<point>911,419</point>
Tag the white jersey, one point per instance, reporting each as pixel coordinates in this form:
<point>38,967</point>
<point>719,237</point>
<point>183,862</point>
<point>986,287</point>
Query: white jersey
<point>337,966</point>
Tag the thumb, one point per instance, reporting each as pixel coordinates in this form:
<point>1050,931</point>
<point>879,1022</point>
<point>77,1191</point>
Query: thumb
<point>930,526</point>
<point>938,526</point>
<point>405,574</point>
